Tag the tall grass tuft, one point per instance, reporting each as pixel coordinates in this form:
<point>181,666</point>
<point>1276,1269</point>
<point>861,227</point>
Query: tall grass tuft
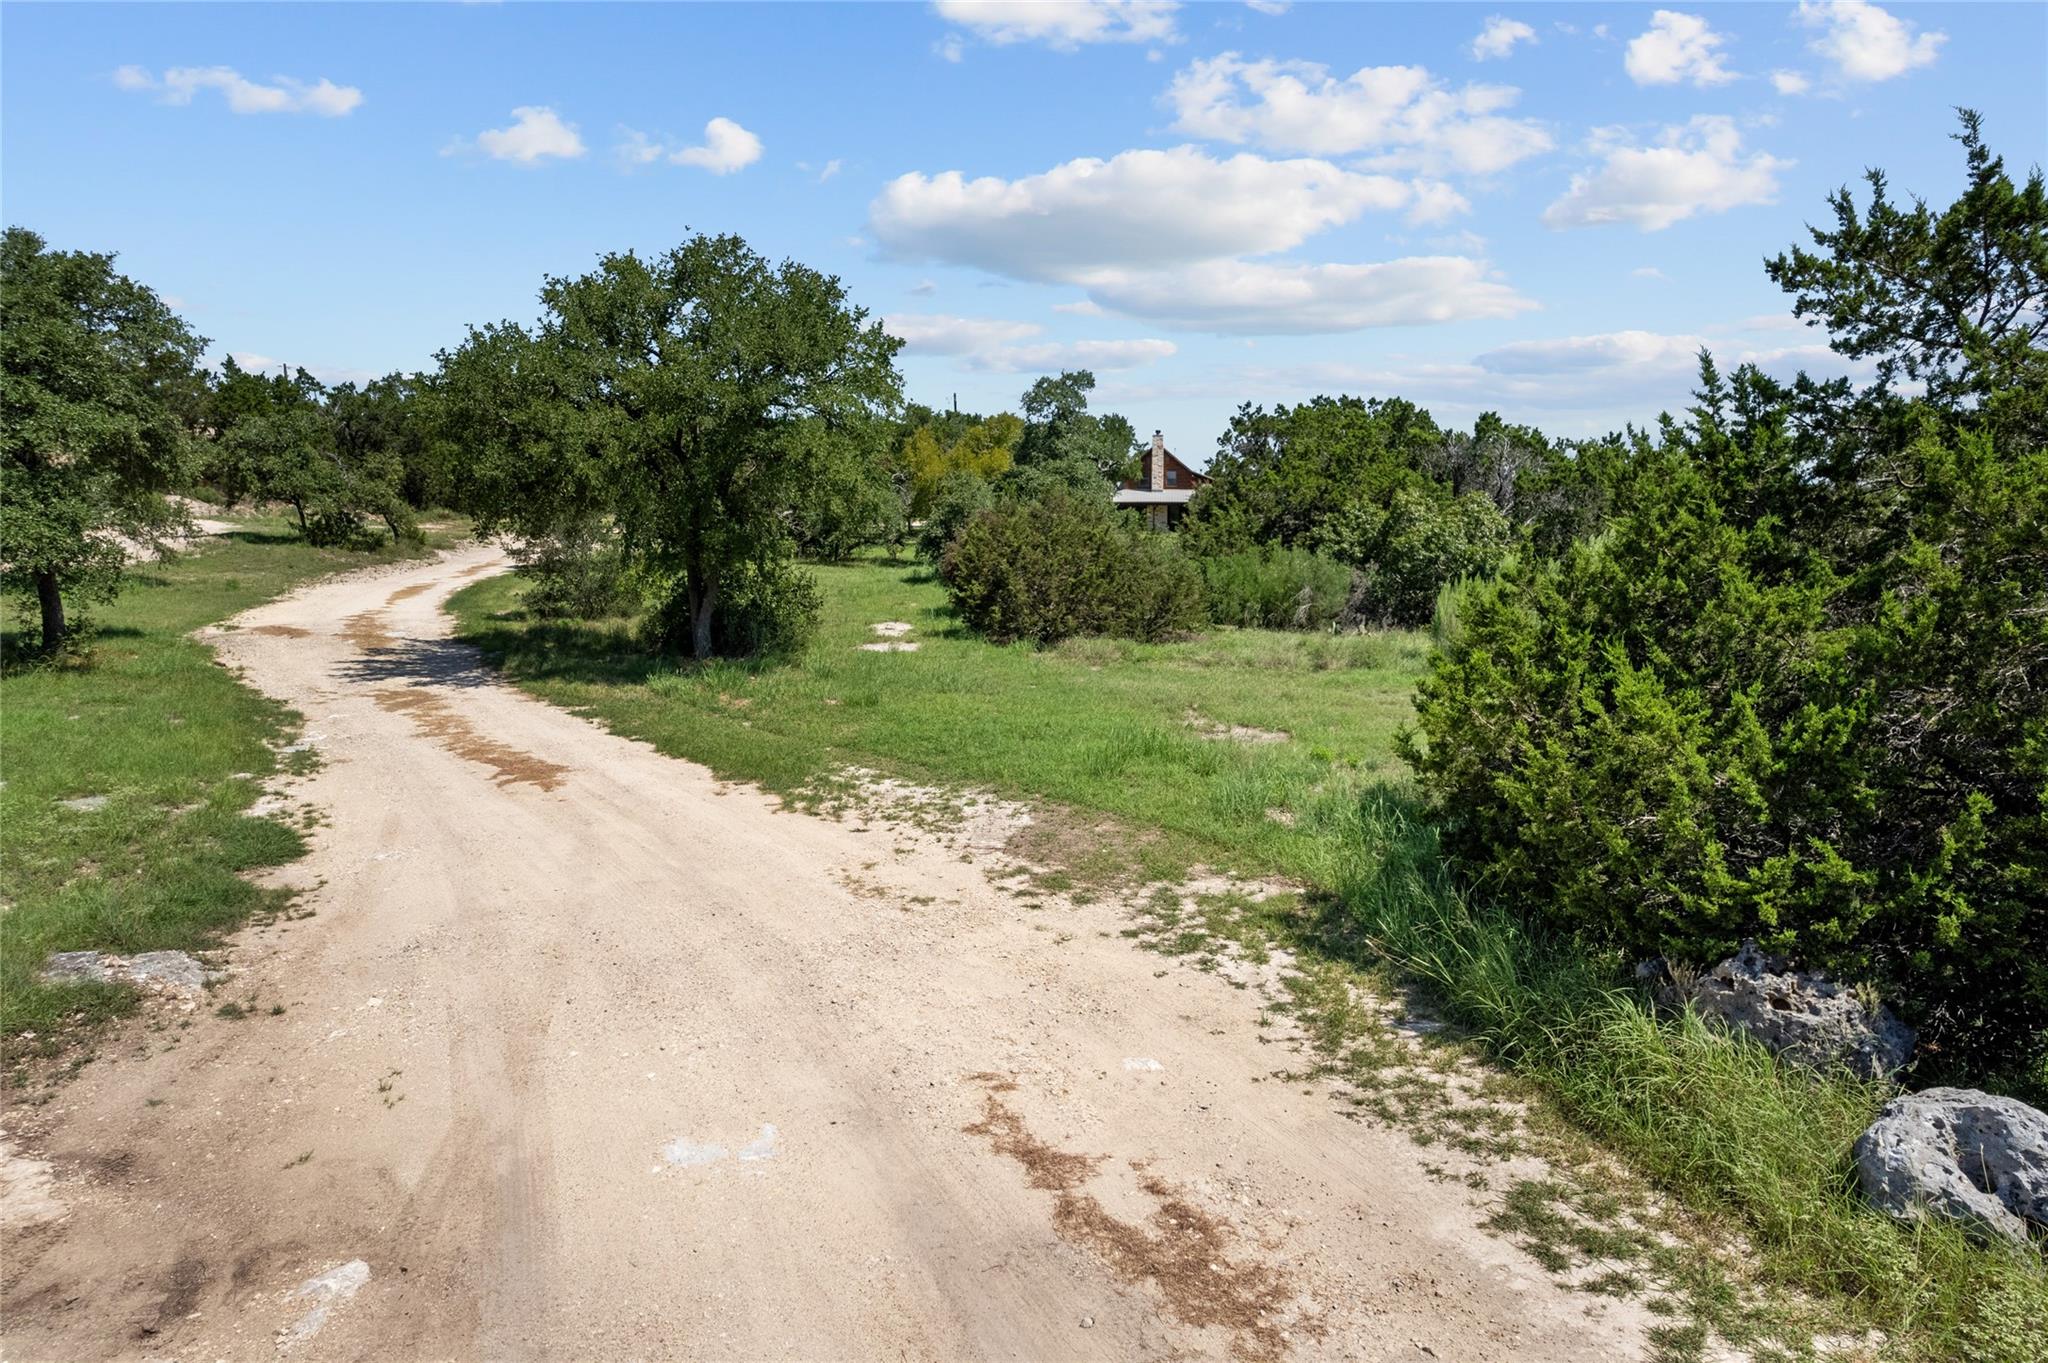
<point>1744,1140</point>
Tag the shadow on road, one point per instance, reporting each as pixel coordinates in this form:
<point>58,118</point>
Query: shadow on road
<point>419,662</point>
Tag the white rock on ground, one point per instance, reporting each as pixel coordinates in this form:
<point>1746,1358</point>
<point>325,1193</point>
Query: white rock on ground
<point>1959,1155</point>
<point>327,1291</point>
<point>1803,1016</point>
<point>173,970</point>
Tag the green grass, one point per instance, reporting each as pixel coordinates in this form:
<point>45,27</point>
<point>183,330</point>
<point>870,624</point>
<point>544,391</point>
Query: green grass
<point>1097,724</point>
<point>1746,1152</point>
<point>179,750</point>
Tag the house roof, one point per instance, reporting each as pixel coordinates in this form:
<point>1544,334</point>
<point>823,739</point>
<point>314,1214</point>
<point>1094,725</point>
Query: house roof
<point>1144,496</point>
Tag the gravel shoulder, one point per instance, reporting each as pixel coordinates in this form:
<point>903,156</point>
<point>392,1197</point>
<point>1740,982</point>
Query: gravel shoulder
<point>585,1053</point>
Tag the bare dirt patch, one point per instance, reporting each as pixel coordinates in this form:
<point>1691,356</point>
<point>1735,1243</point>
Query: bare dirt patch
<point>1205,727</point>
<point>446,726</point>
<point>281,631</point>
<point>1185,1254</point>
<point>367,631</point>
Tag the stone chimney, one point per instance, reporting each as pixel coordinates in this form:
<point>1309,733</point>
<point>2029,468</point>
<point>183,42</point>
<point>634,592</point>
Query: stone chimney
<point>1158,462</point>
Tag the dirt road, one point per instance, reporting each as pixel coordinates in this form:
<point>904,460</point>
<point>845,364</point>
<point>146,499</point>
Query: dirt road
<point>587,1055</point>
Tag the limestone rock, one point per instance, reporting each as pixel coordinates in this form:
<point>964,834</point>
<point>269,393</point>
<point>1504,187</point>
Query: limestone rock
<point>1803,1016</point>
<point>168,970</point>
<point>63,967</point>
<point>1959,1155</point>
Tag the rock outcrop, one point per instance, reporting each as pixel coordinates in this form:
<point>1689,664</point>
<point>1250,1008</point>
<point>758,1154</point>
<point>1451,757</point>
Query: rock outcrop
<point>1803,1016</point>
<point>1959,1155</point>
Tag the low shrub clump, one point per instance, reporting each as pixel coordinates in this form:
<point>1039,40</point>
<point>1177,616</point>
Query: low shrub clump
<point>578,573</point>
<point>1062,565</point>
<point>958,499</point>
<point>1275,589</point>
<point>765,609</point>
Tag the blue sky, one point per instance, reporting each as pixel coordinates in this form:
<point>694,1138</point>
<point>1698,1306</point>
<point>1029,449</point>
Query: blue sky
<point>1537,209</point>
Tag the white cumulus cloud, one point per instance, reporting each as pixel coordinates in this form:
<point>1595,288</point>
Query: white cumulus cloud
<point>282,95</point>
<point>726,147</point>
<point>1001,346</point>
<point>1135,209</point>
<point>1499,37</point>
<point>537,133</point>
<point>1578,354</point>
<point>1695,167</point>
<point>1165,236</point>
<point>1790,82</point>
<point>1677,48</point>
<point>1402,115</point>
<point>1865,43</point>
<point>1242,297</point>
<point>1064,24</point>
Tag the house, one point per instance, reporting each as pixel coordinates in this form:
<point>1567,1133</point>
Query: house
<point>1162,488</point>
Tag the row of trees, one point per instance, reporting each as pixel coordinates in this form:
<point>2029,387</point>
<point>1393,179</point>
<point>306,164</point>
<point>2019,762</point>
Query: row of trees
<point>672,433</point>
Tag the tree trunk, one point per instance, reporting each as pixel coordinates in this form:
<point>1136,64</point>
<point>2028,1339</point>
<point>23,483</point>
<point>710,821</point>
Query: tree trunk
<point>300,507</point>
<point>703,601</point>
<point>52,602</point>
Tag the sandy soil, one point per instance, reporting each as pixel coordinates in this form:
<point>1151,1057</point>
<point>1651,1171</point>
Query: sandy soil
<point>588,1055</point>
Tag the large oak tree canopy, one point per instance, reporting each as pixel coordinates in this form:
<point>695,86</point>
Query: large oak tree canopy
<point>693,400</point>
<point>97,378</point>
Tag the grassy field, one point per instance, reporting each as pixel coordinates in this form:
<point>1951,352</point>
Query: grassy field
<point>1098,724</point>
<point>171,749</point>
<point>1746,1152</point>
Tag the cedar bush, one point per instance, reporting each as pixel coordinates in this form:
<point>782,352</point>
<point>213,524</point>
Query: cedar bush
<point>577,573</point>
<point>1686,732</point>
<point>959,497</point>
<point>1059,566</point>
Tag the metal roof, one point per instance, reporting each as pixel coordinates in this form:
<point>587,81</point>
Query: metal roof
<point>1144,496</point>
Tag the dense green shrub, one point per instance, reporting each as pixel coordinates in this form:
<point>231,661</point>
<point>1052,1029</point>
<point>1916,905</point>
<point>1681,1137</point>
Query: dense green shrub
<point>577,573</point>
<point>1059,566</point>
<point>339,528</point>
<point>1410,546</point>
<point>765,609</point>
<point>1275,589</point>
<point>1687,732</point>
<point>771,609</point>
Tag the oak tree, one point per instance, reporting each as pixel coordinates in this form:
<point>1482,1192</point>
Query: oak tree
<point>98,378</point>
